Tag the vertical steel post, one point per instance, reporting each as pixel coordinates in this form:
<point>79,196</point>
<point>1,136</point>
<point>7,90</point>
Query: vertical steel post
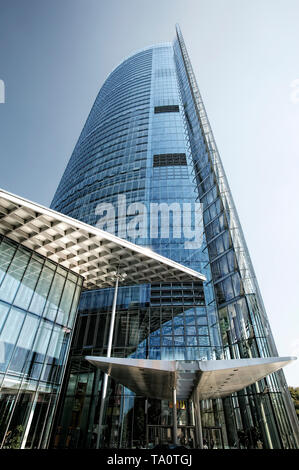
<point>29,422</point>
<point>199,426</point>
<point>197,416</point>
<point>105,381</point>
<point>174,417</point>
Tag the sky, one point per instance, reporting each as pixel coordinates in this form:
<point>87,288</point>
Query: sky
<point>56,54</point>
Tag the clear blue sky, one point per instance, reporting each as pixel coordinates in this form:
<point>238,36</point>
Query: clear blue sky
<point>55,55</point>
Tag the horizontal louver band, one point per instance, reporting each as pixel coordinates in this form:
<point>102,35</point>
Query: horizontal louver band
<point>170,159</point>
<point>167,109</point>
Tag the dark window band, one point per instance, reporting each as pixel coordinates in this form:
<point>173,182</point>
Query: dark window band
<point>167,109</point>
<point>170,159</point>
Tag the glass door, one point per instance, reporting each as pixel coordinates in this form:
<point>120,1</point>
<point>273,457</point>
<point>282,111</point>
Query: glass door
<point>159,435</point>
<point>212,438</point>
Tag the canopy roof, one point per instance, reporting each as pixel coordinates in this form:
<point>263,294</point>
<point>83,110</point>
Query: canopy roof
<point>213,379</point>
<point>91,252</point>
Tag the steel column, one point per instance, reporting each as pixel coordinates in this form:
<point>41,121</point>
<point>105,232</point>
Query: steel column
<point>105,380</point>
<point>174,418</point>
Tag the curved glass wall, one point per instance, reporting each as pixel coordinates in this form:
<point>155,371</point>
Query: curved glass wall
<point>143,146</point>
<point>38,304</point>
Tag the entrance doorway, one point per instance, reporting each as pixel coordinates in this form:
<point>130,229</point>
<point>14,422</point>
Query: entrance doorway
<point>158,435</point>
<point>213,437</point>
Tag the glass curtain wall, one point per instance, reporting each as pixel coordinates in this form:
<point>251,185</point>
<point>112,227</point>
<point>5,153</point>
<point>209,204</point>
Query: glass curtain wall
<point>263,412</point>
<point>38,304</point>
<point>147,138</point>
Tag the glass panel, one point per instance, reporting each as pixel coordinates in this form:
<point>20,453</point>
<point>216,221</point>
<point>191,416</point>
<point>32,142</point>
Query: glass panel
<point>36,357</point>
<point>228,289</point>
<point>190,330</point>
<point>190,320</point>
<point>155,341</point>
<point>72,277</point>
<point>9,335</point>
<point>231,261</point>
<point>178,330</point>
<point>202,321</point>
<point>24,343</point>
<point>179,340</point>
<point>42,289</point>
<point>66,302</point>
<point>57,348</point>
<point>7,400</point>
<point>7,251</point>
<point>223,267</point>
<point>203,330</point>
<point>28,284</point>
<point>54,297</point>
<point>204,341</point>
<point>15,272</point>
<point>74,307</point>
<point>166,330</point>
<point>191,340</point>
<point>19,419</point>
<point>237,284</point>
<point>38,421</point>
<point>4,308</point>
<point>166,340</point>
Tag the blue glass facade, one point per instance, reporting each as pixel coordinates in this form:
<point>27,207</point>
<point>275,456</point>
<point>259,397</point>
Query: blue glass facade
<point>38,305</point>
<point>147,138</point>
<point>110,157</point>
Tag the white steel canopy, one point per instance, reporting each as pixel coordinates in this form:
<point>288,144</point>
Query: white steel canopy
<point>212,379</point>
<point>91,252</point>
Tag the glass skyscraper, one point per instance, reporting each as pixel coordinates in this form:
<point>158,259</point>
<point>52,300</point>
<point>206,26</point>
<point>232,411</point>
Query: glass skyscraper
<point>147,143</point>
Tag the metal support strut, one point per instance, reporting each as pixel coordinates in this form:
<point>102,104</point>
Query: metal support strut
<point>105,380</point>
<point>174,418</point>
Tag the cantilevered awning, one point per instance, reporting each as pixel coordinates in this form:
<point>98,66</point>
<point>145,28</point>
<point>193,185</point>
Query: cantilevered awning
<point>93,253</point>
<point>213,379</point>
